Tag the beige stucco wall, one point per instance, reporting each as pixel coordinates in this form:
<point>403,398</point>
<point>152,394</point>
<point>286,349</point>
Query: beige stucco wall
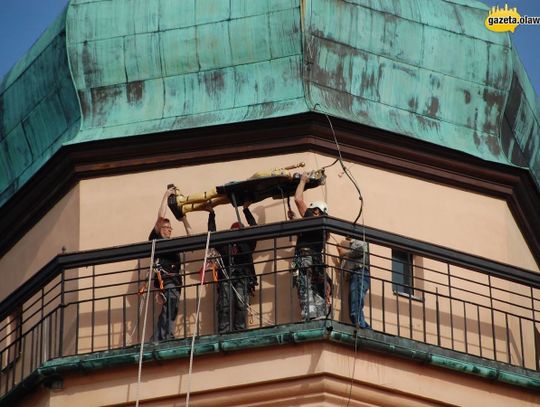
<point>58,229</point>
<point>316,374</point>
<point>122,209</point>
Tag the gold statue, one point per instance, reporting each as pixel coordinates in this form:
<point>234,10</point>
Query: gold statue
<point>277,183</point>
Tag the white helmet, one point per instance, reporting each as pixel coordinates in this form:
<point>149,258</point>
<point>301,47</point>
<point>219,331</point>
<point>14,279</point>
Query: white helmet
<point>321,205</point>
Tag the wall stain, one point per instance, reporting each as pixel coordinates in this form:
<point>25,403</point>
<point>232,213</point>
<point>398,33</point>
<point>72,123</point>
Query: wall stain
<point>413,103</point>
<point>517,156</point>
<point>102,100</point>
<point>135,91</point>
<point>433,107</point>
<point>85,107</point>
<point>434,81</point>
<point>493,145</point>
<point>494,101</point>
<point>368,80</point>
<point>467,96</point>
<point>428,123</point>
<point>89,66</point>
<point>390,17</point>
<point>410,71</point>
<point>476,139</point>
<point>214,81</point>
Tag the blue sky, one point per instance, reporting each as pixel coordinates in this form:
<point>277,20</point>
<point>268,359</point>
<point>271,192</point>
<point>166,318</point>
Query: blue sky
<point>22,22</point>
<point>526,38</point>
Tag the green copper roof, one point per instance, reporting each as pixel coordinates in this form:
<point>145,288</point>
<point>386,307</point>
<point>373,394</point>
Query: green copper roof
<point>39,110</point>
<point>427,69</point>
<point>173,65</point>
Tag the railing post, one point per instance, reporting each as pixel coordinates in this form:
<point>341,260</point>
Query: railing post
<point>342,282</point>
<point>451,310</point>
<point>493,332</point>
<point>77,326</point>
<point>536,355</point>
<point>521,342</point>
<point>32,349</point>
<point>22,353</point>
<point>465,336</point>
<point>6,376</point>
<point>124,320</point>
<point>261,301</point>
<point>479,329</point>
<point>109,323</point>
<point>12,360</point>
<point>383,306</point>
<point>535,332</point>
<point>437,317</point>
<point>396,295</point>
<point>508,349</point>
<point>325,266</point>
<point>184,303</point>
<point>42,322</point>
<point>93,318</point>
<point>50,329</point>
<point>62,305</point>
<point>292,289</point>
<point>424,316</point>
<point>274,251</point>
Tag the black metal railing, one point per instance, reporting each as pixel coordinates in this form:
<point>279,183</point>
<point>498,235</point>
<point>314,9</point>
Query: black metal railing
<point>90,301</point>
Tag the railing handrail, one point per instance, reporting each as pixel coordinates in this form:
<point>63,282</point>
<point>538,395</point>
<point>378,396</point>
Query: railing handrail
<point>261,232</point>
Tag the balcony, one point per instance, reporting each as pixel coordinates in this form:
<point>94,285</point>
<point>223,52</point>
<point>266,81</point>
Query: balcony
<point>424,301</point>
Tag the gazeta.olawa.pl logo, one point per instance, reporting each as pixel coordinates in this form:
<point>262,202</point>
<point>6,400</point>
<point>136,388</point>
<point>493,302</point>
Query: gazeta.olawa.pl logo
<point>507,19</point>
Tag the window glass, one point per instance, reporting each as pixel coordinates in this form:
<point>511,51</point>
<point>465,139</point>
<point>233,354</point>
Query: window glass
<point>402,272</point>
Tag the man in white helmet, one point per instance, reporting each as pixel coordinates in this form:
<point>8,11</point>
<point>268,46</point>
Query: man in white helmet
<point>309,276</point>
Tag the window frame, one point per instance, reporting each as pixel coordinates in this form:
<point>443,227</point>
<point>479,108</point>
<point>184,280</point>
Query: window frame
<point>402,273</point>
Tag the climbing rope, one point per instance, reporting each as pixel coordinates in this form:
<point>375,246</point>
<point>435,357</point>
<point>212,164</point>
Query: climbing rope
<point>144,322</point>
<point>197,320</point>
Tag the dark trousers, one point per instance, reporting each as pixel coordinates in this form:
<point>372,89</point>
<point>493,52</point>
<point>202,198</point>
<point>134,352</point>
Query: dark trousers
<point>358,285</point>
<point>232,305</point>
<point>169,310</point>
